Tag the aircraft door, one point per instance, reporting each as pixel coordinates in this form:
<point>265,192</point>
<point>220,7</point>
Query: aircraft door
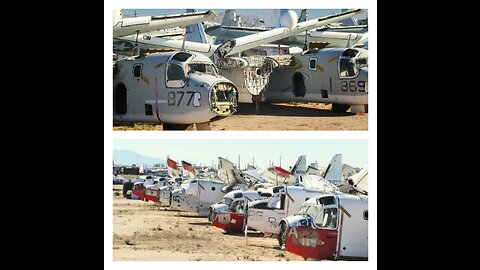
<point>298,84</point>
<point>120,99</point>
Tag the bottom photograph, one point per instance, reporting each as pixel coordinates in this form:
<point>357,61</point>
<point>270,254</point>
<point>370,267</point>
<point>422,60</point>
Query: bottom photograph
<point>240,200</point>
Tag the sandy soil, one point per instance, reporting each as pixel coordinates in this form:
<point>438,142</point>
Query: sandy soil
<point>279,116</point>
<point>146,232</point>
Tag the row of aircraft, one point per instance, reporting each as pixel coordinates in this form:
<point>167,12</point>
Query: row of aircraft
<point>191,81</point>
<point>318,216</point>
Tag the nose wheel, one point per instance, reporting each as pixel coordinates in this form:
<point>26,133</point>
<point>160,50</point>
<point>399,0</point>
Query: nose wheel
<point>256,100</point>
<point>282,236</point>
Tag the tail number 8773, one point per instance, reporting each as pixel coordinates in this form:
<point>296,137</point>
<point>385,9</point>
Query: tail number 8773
<point>353,86</point>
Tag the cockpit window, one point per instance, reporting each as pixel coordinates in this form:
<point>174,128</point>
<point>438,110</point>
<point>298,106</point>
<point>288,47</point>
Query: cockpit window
<point>349,65</point>
<point>175,75</point>
<point>228,201</point>
<point>327,218</point>
<point>312,210</point>
<point>362,62</point>
<point>237,207</point>
<point>181,56</point>
<point>347,68</point>
<point>202,68</point>
<point>302,210</point>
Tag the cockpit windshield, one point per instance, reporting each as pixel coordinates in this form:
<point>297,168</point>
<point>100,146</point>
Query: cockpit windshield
<point>350,64</point>
<point>227,201</point>
<point>175,74</point>
<point>361,62</point>
<point>208,69</point>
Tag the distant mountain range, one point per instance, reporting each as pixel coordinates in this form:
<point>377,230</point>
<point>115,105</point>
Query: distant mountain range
<point>127,157</point>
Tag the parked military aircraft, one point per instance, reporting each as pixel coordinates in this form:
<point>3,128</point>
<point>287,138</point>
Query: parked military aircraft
<point>174,88</point>
<point>249,75</point>
<point>328,227</point>
<point>331,75</point>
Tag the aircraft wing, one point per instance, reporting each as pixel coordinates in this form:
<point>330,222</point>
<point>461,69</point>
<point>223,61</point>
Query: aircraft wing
<point>254,40</point>
<point>130,26</point>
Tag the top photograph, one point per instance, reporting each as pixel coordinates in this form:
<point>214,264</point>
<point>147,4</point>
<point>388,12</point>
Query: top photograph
<point>240,69</point>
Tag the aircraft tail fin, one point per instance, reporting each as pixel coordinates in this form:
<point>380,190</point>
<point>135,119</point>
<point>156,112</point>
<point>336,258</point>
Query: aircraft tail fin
<point>172,168</point>
<point>333,173</point>
<point>230,18</point>
<point>349,21</point>
<point>189,168</point>
<point>300,166</point>
<point>303,16</point>
<point>195,32</point>
<point>226,171</point>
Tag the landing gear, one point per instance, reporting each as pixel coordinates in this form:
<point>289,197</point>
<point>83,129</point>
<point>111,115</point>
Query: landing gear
<point>256,100</point>
<point>211,216</point>
<point>282,236</point>
<point>167,126</point>
<point>340,108</point>
<point>203,126</point>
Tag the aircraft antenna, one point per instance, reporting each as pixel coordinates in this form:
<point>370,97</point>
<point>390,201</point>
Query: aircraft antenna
<point>135,48</point>
<point>183,43</point>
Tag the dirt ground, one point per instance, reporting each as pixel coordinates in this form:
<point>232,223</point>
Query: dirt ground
<point>278,116</point>
<point>143,231</point>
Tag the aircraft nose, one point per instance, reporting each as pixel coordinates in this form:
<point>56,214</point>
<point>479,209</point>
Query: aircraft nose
<point>223,98</point>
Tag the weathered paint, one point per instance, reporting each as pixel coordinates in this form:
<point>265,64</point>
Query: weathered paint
<point>312,243</point>
<point>232,222</point>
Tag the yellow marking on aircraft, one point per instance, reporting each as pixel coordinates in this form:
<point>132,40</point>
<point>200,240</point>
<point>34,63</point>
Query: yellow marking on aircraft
<point>145,79</point>
<point>333,59</point>
<point>320,68</point>
<point>345,211</point>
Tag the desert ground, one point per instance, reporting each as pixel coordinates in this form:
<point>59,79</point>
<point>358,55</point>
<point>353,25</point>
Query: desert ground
<point>278,116</point>
<point>144,231</point>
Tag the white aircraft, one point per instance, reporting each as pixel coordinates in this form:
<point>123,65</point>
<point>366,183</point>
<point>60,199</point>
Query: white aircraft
<point>197,195</point>
<point>265,215</point>
<point>331,75</point>
<point>328,227</point>
<point>129,26</point>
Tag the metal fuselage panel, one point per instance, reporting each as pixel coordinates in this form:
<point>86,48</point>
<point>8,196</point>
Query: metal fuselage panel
<point>150,100</point>
<point>268,220</point>
<point>324,76</point>
<point>196,198</point>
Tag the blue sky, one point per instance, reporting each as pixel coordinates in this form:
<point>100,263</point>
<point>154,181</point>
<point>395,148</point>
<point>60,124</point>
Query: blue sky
<point>355,152</point>
<point>312,13</point>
